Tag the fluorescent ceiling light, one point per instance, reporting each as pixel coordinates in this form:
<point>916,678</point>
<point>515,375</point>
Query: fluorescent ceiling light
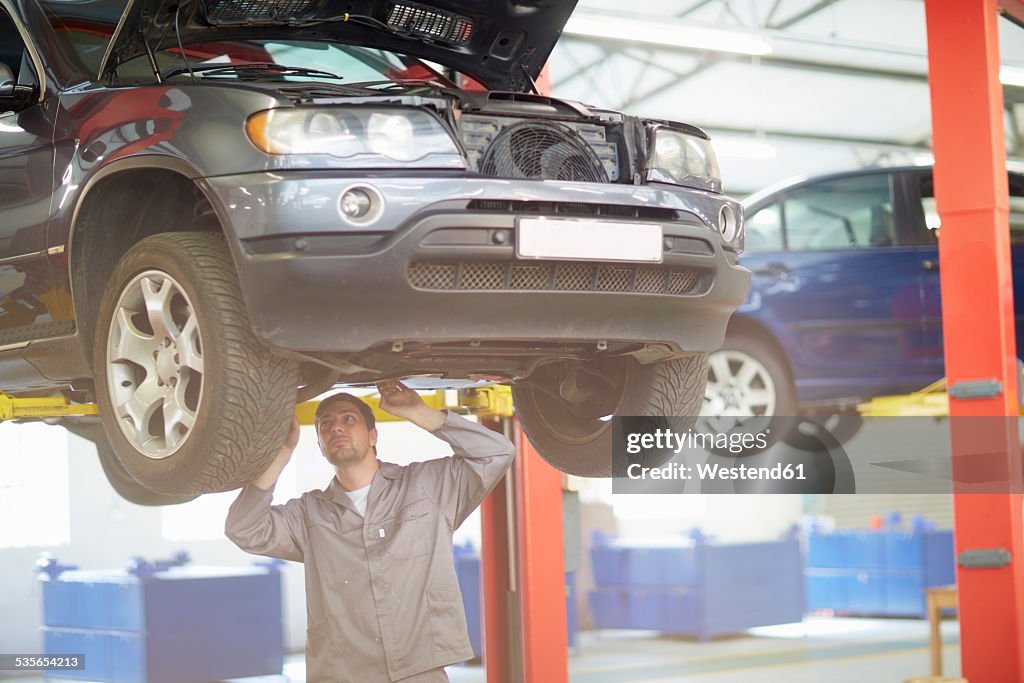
<point>670,33</point>
<point>1011,75</point>
<point>743,149</point>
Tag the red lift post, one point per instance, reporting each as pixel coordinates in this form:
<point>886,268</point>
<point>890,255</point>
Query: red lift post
<point>523,562</point>
<point>978,328</point>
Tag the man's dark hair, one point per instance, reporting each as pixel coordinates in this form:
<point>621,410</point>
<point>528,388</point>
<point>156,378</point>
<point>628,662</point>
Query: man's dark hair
<point>364,410</point>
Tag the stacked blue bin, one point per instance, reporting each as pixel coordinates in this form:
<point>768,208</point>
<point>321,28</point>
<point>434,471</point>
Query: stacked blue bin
<point>163,622</point>
<point>467,571</point>
<point>883,572</point>
<point>696,587</point>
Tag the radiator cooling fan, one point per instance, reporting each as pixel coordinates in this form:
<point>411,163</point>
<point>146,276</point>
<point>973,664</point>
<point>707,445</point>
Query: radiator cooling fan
<point>542,150</point>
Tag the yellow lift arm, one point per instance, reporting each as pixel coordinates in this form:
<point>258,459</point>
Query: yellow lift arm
<point>932,401</point>
<point>492,401</point>
<point>16,408</point>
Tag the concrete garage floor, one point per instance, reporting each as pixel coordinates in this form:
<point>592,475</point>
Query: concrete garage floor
<point>815,651</point>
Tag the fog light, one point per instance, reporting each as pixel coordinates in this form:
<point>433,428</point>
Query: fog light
<point>356,203</point>
<point>727,223</point>
<point>360,205</point>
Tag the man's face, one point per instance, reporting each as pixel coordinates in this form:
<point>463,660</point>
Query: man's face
<point>342,434</point>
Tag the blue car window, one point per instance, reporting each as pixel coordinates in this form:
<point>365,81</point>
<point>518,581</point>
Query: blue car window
<point>843,213</point>
<point>764,230</point>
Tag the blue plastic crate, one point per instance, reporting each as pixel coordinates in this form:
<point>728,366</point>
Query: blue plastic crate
<point>609,608</point>
<point>467,571</point>
<point>827,589</point>
<point>179,625</point>
<point>755,584</point>
<point>647,608</point>
<point>889,579</point>
<point>93,645</point>
<point>93,600</point>
<point>865,549</point>
<point>662,566</point>
<point>683,611</point>
<point>903,549</point>
<point>610,565</point>
<point>939,563</point>
<point>866,590</point>
<point>904,593</point>
<point>826,550</point>
<point>705,588</point>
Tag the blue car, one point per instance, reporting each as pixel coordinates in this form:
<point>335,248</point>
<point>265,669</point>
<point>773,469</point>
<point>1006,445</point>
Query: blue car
<point>844,304</point>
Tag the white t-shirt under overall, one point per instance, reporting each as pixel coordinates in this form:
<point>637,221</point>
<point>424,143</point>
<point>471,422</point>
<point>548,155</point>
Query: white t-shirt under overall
<point>358,498</point>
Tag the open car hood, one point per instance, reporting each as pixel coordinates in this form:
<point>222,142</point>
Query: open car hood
<point>501,43</point>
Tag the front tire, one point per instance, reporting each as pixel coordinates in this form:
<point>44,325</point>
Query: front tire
<point>576,438</point>
<point>191,400</point>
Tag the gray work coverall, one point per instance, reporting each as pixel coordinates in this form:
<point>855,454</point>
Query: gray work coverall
<point>382,600</point>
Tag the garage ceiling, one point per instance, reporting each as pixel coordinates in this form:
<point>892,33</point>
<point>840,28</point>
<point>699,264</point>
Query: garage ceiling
<point>788,88</point>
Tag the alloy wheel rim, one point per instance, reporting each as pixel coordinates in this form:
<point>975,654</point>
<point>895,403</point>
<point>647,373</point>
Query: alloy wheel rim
<point>155,364</point>
<point>739,385</point>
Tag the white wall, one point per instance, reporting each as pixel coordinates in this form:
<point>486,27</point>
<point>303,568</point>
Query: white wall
<point>728,517</point>
<point>106,532</point>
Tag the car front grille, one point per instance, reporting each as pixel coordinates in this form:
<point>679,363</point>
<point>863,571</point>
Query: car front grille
<point>577,209</point>
<point>555,277</point>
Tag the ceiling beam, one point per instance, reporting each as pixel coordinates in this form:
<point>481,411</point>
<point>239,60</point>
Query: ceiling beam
<point>848,140</point>
<point>800,16</point>
<point>1013,10</point>
<point>848,69</point>
<point>823,54</point>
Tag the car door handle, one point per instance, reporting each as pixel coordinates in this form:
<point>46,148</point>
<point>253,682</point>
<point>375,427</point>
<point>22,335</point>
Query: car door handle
<point>773,270</point>
<point>930,264</point>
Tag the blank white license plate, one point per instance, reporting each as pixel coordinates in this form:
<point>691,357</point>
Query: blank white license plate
<point>585,240</point>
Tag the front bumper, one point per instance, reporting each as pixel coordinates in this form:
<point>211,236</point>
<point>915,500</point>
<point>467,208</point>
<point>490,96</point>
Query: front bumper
<point>436,268</point>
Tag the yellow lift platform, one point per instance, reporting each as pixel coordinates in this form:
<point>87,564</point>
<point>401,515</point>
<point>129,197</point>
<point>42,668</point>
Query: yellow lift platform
<point>491,401</point>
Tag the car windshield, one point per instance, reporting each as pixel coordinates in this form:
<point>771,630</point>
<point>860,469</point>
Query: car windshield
<point>84,28</point>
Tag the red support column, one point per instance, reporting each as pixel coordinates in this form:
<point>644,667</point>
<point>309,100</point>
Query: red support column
<point>978,326</point>
<point>541,564</point>
<point>523,564</point>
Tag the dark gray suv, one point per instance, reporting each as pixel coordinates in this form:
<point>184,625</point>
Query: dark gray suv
<point>206,206</point>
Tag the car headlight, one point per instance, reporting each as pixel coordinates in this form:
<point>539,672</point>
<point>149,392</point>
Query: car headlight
<point>682,159</point>
<point>398,135</point>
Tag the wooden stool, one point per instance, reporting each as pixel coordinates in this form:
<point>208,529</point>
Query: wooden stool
<point>938,598</point>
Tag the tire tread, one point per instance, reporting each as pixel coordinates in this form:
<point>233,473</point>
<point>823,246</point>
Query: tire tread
<point>256,386</point>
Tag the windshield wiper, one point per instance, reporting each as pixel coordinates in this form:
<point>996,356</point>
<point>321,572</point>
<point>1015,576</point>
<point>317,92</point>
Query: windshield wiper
<point>254,69</point>
<point>383,86</point>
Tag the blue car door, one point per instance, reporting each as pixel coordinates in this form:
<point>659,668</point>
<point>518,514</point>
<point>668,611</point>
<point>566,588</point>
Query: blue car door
<point>835,280</point>
<point>928,220</point>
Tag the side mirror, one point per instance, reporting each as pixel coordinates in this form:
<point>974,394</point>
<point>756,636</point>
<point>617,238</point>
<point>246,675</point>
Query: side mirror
<point>14,97</point>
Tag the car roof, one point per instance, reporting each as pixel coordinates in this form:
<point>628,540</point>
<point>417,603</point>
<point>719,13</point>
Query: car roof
<point>761,196</point>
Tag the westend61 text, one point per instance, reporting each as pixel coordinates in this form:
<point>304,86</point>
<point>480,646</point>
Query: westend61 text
<point>666,438</point>
<point>712,472</point>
